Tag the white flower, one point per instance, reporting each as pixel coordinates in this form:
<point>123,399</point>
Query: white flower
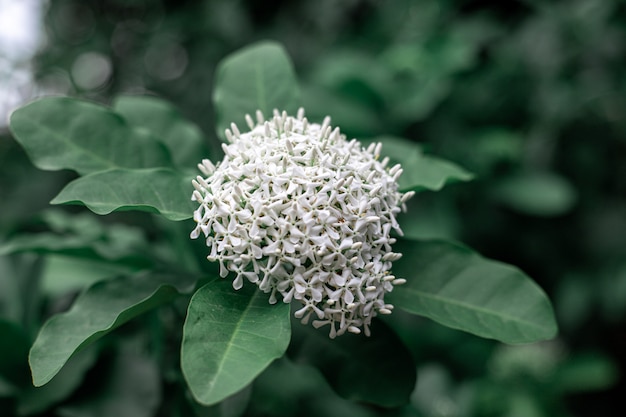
<point>305,215</point>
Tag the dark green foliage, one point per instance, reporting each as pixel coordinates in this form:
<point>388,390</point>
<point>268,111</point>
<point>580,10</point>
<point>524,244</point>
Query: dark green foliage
<point>525,99</point>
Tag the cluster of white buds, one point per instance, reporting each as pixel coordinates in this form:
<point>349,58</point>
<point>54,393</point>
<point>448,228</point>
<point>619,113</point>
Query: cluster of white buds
<point>306,215</point>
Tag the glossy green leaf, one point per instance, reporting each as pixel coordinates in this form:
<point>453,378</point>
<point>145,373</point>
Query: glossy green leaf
<point>420,171</point>
<point>183,139</point>
<point>65,133</point>
<point>103,307</point>
<point>259,77</point>
<point>230,337</point>
<point>377,369</point>
<point>458,288</point>
<point>158,190</point>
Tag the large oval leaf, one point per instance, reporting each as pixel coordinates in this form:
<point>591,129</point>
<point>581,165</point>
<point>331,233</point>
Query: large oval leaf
<point>458,288</point>
<point>102,308</point>
<point>229,338</point>
<point>259,77</point>
<point>183,139</point>
<point>377,369</point>
<point>158,190</point>
<point>65,133</point>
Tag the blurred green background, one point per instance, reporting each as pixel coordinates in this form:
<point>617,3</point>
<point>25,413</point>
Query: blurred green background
<point>529,95</point>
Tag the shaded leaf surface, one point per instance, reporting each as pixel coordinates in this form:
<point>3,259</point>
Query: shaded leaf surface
<point>183,139</point>
<point>46,243</point>
<point>537,193</point>
<point>284,387</point>
<point>102,308</point>
<point>421,172</point>
<point>74,245</point>
<point>129,388</point>
<point>232,406</point>
<point>14,345</point>
<point>158,190</point>
<point>70,377</point>
<point>586,372</point>
<point>230,337</point>
<point>10,294</point>
<point>62,274</point>
<point>287,388</point>
<point>83,235</point>
<point>376,369</point>
<point>458,288</point>
<point>259,77</point>
<point>64,133</point>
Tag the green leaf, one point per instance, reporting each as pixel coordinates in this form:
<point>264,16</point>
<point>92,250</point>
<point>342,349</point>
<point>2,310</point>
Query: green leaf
<point>45,243</point>
<point>129,387</point>
<point>458,288</point>
<point>284,387</point>
<point>64,133</point>
<point>76,245</point>
<point>232,406</point>
<point>421,74</point>
<point>589,371</point>
<point>377,369</point>
<point>421,172</point>
<point>537,193</point>
<point>287,388</point>
<point>183,139</point>
<point>35,400</point>
<point>83,235</point>
<point>157,190</point>
<point>102,308</point>
<point>62,274</point>
<point>352,116</point>
<point>258,77</point>
<point>229,338</point>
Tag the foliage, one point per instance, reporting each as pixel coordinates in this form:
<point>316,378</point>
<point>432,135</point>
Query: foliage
<point>509,95</point>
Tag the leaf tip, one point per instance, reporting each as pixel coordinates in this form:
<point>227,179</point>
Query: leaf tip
<point>39,378</point>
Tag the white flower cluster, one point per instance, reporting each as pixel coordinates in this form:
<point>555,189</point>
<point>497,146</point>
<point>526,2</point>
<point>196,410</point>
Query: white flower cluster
<point>300,211</point>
